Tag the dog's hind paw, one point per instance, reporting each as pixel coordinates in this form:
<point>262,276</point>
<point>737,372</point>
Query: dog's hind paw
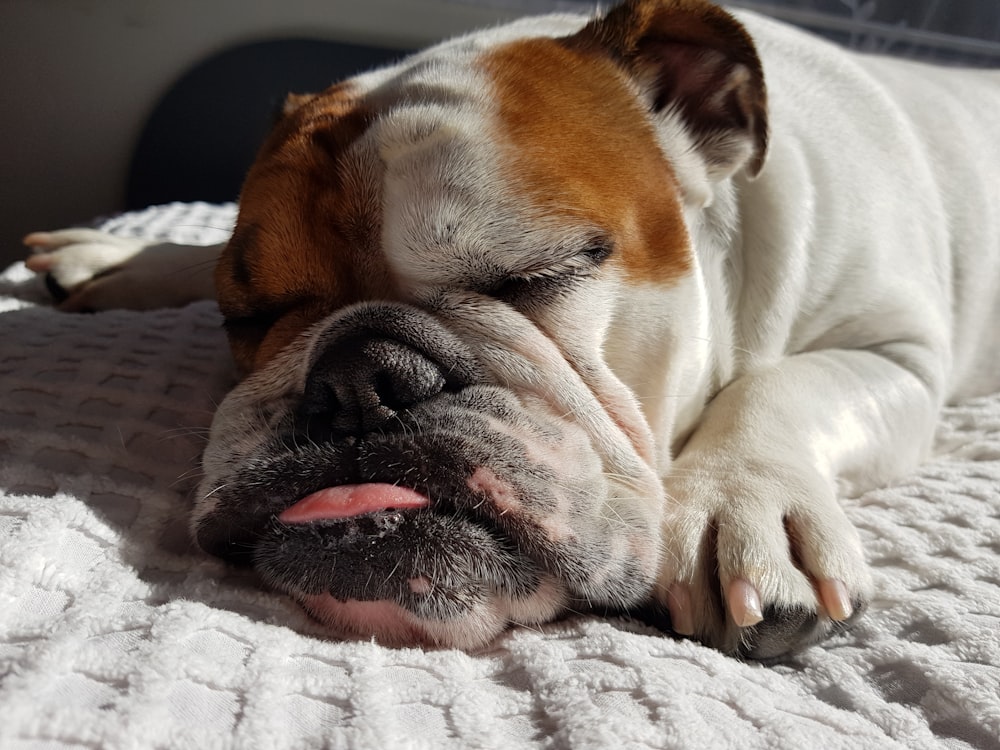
<point>75,261</point>
<point>88,270</point>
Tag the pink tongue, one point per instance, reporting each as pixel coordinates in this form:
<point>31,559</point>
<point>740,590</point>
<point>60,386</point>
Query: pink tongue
<point>351,500</point>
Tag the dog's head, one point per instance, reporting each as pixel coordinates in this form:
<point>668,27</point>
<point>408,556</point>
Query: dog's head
<point>460,287</point>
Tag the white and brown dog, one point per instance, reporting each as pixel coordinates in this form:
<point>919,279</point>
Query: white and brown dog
<point>572,314</point>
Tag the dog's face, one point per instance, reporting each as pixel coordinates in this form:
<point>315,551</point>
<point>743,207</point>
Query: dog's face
<point>447,284</point>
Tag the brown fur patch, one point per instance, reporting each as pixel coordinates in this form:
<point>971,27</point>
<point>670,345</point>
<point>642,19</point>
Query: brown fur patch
<point>581,148</point>
<point>306,239</point>
<point>682,49</point>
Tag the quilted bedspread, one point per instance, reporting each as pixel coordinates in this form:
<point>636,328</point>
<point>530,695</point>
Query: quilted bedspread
<point>116,633</point>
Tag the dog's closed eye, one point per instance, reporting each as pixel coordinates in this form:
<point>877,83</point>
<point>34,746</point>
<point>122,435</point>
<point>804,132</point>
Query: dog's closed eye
<point>544,282</point>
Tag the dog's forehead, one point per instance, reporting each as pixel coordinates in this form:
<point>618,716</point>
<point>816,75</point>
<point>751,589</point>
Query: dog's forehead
<point>472,158</point>
<point>581,146</point>
<point>518,154</point>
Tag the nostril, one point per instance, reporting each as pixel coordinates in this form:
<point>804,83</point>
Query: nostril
<point>319,415</point>
<point>386,391</point>
<point>319,399</point>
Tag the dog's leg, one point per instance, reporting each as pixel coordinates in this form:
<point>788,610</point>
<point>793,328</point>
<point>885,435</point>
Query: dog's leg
<point>760,558</point>
<point>90,270</point>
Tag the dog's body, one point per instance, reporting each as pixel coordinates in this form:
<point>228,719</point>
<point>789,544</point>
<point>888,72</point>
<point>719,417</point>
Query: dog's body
<point>532,325</point>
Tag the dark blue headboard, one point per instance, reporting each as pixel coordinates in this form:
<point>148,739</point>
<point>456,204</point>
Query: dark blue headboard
<point>204,132</point>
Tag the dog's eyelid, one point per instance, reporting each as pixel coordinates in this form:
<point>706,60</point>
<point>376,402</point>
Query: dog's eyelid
<point>591,255</point>
<point>257,319</point>
<point>598,251</point>
<point>241,324</point>
<point>580,265</point>
<point>262,313</point>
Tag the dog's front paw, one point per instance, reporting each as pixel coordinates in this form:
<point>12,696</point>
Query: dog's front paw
<point>760,559</point>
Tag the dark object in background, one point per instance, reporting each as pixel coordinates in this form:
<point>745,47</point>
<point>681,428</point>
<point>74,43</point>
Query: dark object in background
<point>204,133</point>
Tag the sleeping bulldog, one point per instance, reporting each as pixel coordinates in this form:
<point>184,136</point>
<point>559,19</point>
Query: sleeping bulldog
<point>588,314</point>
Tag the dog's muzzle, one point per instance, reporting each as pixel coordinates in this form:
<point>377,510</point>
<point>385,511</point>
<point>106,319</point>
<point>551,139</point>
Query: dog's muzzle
<point>398,484</point>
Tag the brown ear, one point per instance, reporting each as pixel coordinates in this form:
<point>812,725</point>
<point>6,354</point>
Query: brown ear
<point>293,102</point>
<point>691,57</point>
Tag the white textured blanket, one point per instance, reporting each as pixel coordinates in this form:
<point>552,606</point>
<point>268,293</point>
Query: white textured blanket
<point>115,633</point>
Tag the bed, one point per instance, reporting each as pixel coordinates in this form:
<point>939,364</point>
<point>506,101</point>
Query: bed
<point>116,633</point>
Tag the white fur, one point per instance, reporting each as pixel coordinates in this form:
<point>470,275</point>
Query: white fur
<point>836,302</point>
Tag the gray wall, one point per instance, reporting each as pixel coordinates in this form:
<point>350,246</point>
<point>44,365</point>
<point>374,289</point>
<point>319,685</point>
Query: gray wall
<point>80,76</point>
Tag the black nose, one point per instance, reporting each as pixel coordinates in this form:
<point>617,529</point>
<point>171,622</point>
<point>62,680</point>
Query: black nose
<point>362,382</point>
